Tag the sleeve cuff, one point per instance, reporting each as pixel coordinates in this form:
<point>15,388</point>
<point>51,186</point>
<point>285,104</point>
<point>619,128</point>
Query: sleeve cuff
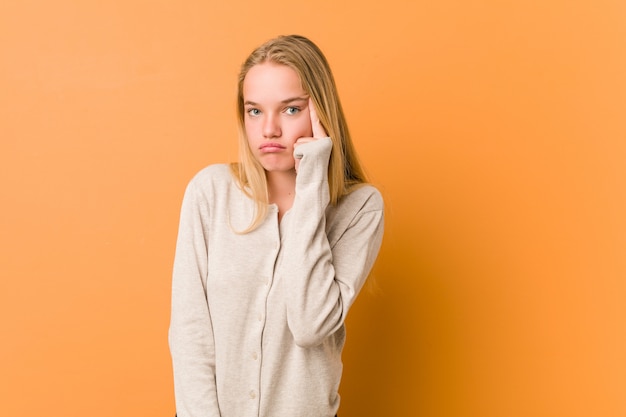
<point>314,157</point>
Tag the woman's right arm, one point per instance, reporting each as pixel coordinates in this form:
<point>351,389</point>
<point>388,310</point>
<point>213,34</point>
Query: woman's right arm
<point>191,333</point>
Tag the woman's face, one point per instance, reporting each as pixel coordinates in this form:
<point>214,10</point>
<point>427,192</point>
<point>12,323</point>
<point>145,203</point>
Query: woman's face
<point>276,114</point>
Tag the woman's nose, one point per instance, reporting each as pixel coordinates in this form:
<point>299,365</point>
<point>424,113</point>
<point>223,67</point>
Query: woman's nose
<point>271,126</point>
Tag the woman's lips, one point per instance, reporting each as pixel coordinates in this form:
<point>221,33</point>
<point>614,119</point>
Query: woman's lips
<point>271,147</point>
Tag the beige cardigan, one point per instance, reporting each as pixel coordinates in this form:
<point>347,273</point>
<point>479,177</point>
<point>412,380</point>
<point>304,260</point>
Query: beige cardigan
<point>257,321</point>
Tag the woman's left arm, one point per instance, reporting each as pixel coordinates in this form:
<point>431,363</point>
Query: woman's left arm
<point>321,281</point>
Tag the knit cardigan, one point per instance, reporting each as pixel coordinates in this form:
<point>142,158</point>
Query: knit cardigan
<point>257,319</point>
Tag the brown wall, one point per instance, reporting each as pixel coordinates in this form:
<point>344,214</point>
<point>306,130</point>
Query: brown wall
<point>496,131</point>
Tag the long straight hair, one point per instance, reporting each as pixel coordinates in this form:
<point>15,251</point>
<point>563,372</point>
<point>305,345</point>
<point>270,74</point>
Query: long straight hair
<point>308,61</point>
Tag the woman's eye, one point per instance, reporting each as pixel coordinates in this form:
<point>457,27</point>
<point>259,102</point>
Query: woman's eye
<point>292,110</point>
<point>254,112</point>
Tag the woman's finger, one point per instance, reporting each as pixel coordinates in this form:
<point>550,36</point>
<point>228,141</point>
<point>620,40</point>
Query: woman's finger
<point>316,125</point>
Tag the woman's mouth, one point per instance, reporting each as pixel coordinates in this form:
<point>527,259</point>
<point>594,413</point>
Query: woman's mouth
<point>270,147</point>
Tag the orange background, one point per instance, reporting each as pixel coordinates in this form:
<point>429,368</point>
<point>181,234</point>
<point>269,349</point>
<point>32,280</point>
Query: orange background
<point>496,131</point>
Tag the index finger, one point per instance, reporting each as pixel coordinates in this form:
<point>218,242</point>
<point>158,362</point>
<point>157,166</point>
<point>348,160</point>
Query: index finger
<point>318,129</point>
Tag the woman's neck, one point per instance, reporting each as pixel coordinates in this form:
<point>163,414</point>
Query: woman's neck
<point>281,189</point>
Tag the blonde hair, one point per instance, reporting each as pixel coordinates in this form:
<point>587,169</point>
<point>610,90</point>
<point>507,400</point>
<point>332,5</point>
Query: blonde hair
<point>308,61</point>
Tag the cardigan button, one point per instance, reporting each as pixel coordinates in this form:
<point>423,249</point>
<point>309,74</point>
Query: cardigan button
<point>252,395</point>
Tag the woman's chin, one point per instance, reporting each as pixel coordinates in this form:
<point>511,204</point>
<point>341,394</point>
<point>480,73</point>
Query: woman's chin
<point>278,166</point>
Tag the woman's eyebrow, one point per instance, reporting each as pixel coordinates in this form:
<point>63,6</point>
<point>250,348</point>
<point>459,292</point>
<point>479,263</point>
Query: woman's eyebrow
<point>291,100</point>
<point>286,101</point>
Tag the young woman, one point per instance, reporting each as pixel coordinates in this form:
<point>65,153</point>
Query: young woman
<point>272,251</point>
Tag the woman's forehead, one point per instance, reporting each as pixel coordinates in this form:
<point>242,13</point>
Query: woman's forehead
<point>272,82</point>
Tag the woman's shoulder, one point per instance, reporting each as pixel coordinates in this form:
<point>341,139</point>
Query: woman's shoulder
<point>211,174</point>
<point>363,201</point>
<point>211,180</point>
<point>363,197</point>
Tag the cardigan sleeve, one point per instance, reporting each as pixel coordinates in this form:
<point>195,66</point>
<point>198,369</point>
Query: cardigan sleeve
<point>321,282</point>
<point>190,332</point>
